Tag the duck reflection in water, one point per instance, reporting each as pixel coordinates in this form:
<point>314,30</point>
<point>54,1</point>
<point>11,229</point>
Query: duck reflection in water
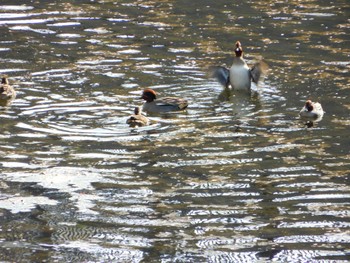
<point>7,92</point>
<point>239,77</point>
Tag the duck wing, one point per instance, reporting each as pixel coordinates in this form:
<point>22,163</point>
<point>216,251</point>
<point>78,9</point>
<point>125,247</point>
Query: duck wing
<point>221,74</point>
<point>258,71</point>
<point>172,102</point>
<point>318,107</point>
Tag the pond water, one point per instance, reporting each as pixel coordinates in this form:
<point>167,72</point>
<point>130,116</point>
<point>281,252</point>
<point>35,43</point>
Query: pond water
<point>234,178</point>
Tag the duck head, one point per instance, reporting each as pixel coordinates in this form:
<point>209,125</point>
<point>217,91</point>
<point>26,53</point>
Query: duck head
<point>308,105</point>
<point>149,95</point>
<point>238,49</point>
<point>4,81</point>
<point>137,111</point>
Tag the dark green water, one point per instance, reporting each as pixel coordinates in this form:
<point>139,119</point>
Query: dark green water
<point>232,179</point>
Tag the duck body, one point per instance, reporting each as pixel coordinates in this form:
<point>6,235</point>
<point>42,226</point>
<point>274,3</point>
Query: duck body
<point>239,76</point>
<point>7,92</point>
<point>312,110</point>
<point>166,104</point>
<point>137,119</point>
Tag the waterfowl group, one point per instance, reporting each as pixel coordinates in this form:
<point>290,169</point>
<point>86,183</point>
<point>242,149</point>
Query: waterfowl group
<point>155,105</point>
<point>239,76</point>
<point>7,92</point>
<point>311,110</point>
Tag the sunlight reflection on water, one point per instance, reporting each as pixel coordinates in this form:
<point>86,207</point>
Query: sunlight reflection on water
<point>236,178</point>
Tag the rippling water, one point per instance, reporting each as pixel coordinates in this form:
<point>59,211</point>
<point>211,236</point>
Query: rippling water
<point>235,178</point>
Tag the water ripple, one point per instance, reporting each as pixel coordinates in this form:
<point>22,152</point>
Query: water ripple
<point>315,224</point>
<point>234,178</point>
<point>208,162</point>
<point>232,257</point>
<point>16,7</point>
<point>27,28</point>
<point>24,21</point>
<point>327,238</point>
<point>101,253</point>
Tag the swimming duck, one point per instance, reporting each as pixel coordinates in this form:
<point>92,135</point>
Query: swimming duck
<point>239,76</point>
<point>311,110</point>
<point>165,104</point>
<point>7,92</point>
<point>137,119</point>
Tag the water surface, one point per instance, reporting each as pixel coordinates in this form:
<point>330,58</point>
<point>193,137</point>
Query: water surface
<point>235,178</point>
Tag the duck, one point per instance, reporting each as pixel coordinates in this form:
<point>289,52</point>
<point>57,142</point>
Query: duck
<point>312,110</point>
<point>239,76</point>
<point>7,92</point>
<point>166,104</point>
<point>137,119</point>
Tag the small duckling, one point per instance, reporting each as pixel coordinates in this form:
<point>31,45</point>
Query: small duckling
<point>311,110</point>
<point>137,119</point>
<point>239,76</point>
<point>165,104</point>
<point>7,92</point>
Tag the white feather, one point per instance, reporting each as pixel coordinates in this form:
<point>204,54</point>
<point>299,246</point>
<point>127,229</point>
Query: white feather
<point>240,77</point>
